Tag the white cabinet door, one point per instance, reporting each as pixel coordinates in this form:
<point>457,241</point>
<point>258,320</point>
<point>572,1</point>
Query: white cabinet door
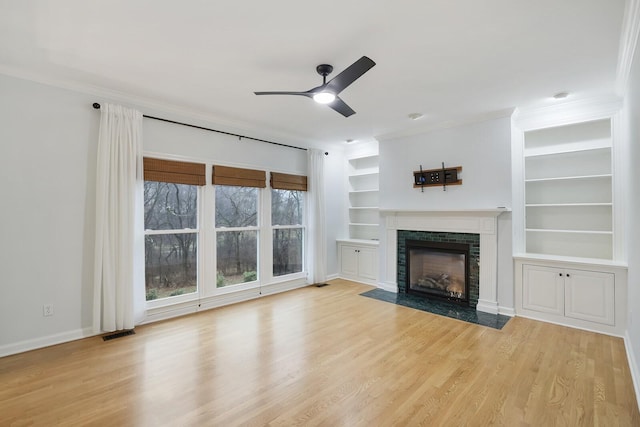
<point>367,263</point>
<point>589,295</point>
<point>543,289</point>
<point>349,261</point>
<point>359,263</point>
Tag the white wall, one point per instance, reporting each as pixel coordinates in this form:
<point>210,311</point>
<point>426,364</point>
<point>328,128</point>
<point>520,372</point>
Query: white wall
<point>336,206</point>
<point>48,140</point>
<point>47,165</point>
<point>633,216</point>
<point>484,151</point>
<point>168,138</point>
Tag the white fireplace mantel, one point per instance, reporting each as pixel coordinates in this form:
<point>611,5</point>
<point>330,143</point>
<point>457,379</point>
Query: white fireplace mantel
<point>478,221</point>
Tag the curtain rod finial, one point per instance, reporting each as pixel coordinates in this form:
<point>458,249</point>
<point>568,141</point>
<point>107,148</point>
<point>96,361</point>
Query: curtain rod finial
<point>96,105</point>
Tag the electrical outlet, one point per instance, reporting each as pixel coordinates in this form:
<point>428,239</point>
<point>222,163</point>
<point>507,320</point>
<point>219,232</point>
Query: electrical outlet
<point>47,310</point>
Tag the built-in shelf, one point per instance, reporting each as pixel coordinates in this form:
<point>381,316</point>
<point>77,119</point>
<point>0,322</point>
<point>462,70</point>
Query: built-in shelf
<point>374,190</point>
<point>564,178</point>
<point>372,174</point>
<point>363,197</point>
<point>549,230</point>
<point>568,183</point>
<point>575,147</point>
<point>543,205</point>
<point>568,240</point>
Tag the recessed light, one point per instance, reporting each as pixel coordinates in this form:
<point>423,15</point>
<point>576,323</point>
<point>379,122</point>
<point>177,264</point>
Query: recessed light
<point>560,95</point>
<point>415,116</point>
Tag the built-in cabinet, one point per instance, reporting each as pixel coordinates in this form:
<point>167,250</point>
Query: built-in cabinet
<point>358,251</point>
<point>578,294</point>
<point>358,261</point>
<point>363,197</point>
<point>569,249</point>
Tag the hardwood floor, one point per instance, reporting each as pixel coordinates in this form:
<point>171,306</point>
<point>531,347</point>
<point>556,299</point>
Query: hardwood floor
<point>324,356</point>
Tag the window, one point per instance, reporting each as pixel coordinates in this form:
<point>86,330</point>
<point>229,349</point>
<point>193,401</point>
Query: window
<point>236,224</point>
<point>242,230</point>
<point>171,227</point>
<point>287,215</point>
<point>171,239</point>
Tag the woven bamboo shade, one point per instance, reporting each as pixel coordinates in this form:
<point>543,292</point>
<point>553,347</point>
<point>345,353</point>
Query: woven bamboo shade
<point>225,175</point>
<point>283,181</point>
<point>174,171</point>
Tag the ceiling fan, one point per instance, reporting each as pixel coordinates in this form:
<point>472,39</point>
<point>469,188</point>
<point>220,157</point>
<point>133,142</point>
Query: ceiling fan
<point>327,92</point>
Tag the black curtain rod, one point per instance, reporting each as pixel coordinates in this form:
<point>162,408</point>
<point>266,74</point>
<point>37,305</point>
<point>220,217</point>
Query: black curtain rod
<point>97,107</point>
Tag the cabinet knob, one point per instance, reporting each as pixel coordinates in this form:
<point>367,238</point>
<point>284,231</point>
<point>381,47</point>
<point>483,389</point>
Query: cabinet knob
<point>568,275</point>
<point>560,274</point>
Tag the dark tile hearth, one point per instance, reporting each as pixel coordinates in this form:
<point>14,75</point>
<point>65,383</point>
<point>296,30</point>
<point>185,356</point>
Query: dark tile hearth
<point>443,308</point>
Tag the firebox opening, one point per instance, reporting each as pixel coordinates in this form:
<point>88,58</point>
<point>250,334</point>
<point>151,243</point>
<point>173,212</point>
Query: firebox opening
<point>438,269</point>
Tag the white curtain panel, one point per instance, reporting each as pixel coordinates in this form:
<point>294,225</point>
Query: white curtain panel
<point>317,238</point>
<point>119,174</point>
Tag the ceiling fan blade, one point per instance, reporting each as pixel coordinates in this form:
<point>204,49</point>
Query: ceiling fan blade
<point>341,107</point>
<point>307,94</point>
<point>349,75</point>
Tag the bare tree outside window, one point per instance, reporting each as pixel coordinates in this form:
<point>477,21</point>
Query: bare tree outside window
<point>287,217</point>
<point>171,239</point>
<point>236,221</point>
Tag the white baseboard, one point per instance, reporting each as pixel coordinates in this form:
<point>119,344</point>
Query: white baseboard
<point>276,288</point>
<point>390,287</point>
<point>40,342</point>
<point>332,276</point>
<point>507,311</point>
<point>487,306</point>
<point>158,314</point>
<point>208,303</point>
<point>633,366</point>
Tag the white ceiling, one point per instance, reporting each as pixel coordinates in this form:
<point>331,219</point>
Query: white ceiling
<point>450,60</point>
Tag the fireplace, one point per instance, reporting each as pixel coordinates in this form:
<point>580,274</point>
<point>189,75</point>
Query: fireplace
<point>476,227</point>
<point>438,269</point>
<point>459,282</point>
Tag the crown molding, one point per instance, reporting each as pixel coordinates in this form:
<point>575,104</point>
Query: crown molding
<point>569,112</point>
<point>498,114</point>
<point>153,107</point>
<point>628,42</point>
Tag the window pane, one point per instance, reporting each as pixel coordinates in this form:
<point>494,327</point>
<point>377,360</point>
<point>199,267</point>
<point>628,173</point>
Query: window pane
<point>236,206</point>
<point>170,206</point>
<point>170,264</point>
<point>287,207</point>
<point>237,255</point>
<point>287,251</point>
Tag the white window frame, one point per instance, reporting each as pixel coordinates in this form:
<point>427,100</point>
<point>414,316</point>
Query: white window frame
<point>162,302</point>
<point>256,228</point>
<point>303,227</point>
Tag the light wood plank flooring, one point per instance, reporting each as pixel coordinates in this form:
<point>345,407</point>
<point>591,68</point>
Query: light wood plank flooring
<point>324,356</point>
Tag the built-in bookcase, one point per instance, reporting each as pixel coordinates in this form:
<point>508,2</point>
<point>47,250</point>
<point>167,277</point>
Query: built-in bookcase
<point>568,214</point>
<point>569,191</point>
<point>363,197</point>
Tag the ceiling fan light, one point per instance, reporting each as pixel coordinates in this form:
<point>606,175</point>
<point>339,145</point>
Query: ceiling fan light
<point>324,97</point>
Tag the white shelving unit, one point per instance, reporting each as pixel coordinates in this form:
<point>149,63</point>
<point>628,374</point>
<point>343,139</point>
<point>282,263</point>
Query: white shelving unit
<point>363,197</point>
<point>568,215</point>
<point>569,191</point>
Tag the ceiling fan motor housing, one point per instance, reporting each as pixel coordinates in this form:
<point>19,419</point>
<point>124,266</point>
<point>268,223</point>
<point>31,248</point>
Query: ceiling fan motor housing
<point>324,69</point>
